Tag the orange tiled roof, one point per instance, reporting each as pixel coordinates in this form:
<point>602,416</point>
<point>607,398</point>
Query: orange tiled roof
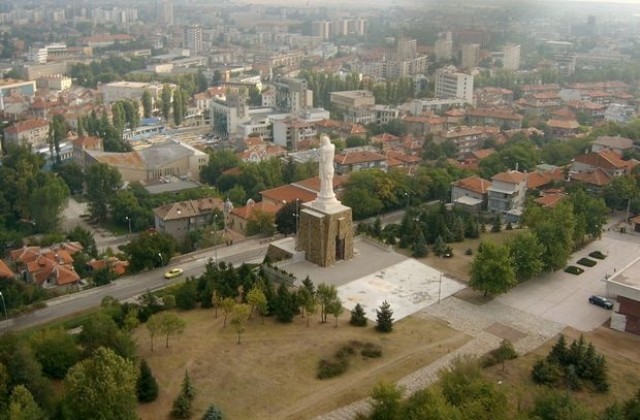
<point>355,157</point>
<point>26,125</point>
<point>550,200</point>
<point>5,271</point>
<point>246,211</point>
<point>483,153</point>
<point>563,124</point>
<point>119,267</point>
<point>510,177</point>
<point>605,159</point>
<point>288,193</point>
<point>597,177</point>
<point>473,183</point>
<point>313,184</point>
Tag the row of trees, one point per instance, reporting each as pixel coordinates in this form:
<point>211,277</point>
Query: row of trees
<point>553,235</point>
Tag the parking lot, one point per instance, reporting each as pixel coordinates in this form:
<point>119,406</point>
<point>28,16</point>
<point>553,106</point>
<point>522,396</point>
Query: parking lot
<point>563,298</point>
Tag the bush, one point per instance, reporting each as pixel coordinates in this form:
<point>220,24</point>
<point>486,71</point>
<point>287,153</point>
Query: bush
<point>597,255</point>
<point>329,368</point>
<point>572,269</point>
<point>346,350</point>
<point>545,373</point>
<point>469,251</point>
<point>586,262</point>
<point>212,413</point>
<point>371,350</point>
<point>499,355</point>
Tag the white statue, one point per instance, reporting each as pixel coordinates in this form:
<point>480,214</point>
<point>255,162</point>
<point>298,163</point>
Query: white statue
<point>325,157</point>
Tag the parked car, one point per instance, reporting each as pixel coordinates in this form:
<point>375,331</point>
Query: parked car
<point>174,272</point>
<point>601,301</point>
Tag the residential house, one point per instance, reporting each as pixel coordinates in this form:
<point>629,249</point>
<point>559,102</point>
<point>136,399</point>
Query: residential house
<point>279,196</point>
<point>590,109</point>
<point>504,118</point>
<point>539,179</point>
<point>617,144</point>
<point>470,193</point>
<point>33,133</point>
<point>240,216</point>
<point>563,128</point>
<point>550,198</point>
<point>507,194</point>
<point>117,266</point>
<point>255,149</point>
<point>594,180</point>
<point>180,218</point>
<point>48,267</point>
<point>420,126</point>
<point>607,160</point>
<point>400,159</point>
<point>351,160</point>
<point>467,139</point>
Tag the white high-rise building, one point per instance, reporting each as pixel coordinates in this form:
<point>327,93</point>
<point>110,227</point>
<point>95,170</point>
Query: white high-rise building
<point>450,84</point>
<point>511,60</point>
<point>470,56</point>
<point>193,39</point>
<point>443,49</point>
<point>164,12</point>
<point>322,29</point>
<point>406,48</point>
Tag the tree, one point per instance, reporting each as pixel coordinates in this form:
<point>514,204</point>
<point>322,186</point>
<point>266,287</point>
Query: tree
<point>165,97</point>
<point>47,202</point>
<point>102,183</point>
<point>147,104</point>
<point>554,228</point>
<point>146,385</point>
<point>326,294</point>
<point>386,401</point>
<point>358,317</point>
<point>178,107</point>
<point>212,413</point>
<point>86,239</point>
<point>420,246</point>
<point>72,174</point>
<point>239,318</point>
<point>285,218</point>
<point>182,404</point>
<point>171,325</point>
<point>285,304</point>
<point>227,309</point>
<point>58,130</point>
<point>56,350</point>
<point>335,308</point>
<point>101,387</point>
<point>526,253</point>
<point>554,405</point>
<point>384,318</point>
<point>492,269</point>
<point>258,301</point>
<point>22,406</point>
<point>142,252</point>
<point>260,223</point>
<point>154,326</point>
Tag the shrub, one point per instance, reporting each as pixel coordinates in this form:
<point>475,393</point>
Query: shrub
<point>469,251</point>
<point>329,368</point>
<point>371,350</point>
<point>212,413</point>
<point>346,350</point>
<point>499,355</point>
<point>586,262</point>
<point>597,255</point>
<point>572,269</point>
<point>384,318</point>
<point>545,373</point>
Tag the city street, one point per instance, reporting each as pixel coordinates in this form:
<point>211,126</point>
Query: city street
<point>129,286</point>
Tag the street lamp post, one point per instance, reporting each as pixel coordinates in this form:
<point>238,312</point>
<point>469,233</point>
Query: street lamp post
<point>128,219</point>
<point>4,306</point>
<point>161,259</point>
<point>215,243</point>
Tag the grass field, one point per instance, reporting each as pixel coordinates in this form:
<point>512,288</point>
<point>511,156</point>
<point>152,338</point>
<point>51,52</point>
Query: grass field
<point>271,374</point>
<point>459,265</point>
<point>622,352</point>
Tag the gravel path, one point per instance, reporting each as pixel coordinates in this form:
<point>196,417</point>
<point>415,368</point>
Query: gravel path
<point>475,320</point>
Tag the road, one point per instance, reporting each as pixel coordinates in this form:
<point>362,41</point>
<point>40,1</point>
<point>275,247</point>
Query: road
<point>130,286</point>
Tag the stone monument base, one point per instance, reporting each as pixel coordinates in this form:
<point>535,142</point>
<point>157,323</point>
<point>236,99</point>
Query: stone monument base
<point>325,232</point>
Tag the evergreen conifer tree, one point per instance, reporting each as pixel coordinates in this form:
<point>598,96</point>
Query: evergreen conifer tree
<point>384,318</point>
<point>358,317</point>
<point>146,385</point>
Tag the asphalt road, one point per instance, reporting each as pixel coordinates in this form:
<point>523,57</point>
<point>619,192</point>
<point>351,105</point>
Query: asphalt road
<point>130,286</point>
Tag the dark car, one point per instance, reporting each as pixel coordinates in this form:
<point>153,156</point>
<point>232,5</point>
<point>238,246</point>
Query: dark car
<point>601,301</point>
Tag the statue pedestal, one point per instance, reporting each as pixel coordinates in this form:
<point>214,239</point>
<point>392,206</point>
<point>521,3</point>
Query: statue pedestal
<point>325,231</point>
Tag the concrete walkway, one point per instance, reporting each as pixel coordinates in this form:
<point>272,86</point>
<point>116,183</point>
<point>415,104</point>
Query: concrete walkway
<point>488,323</point>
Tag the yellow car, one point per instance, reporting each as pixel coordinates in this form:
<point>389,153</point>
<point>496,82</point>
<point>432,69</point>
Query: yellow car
<point>174,272</point>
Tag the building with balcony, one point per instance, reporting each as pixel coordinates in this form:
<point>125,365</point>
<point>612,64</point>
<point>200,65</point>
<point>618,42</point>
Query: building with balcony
<point>507,194</point>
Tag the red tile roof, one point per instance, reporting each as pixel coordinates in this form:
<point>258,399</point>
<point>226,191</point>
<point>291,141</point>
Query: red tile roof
<point>605,159</point>
<point>510,177</point>
<point>473,183</point>
<point>288,193</point>
<point>355,157</point>
<point>119,267</point>
<point>246,211</point>
<point>550,200</point>
<point>26,125</point>
<point>597,177</point>
<point>5,271</point>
